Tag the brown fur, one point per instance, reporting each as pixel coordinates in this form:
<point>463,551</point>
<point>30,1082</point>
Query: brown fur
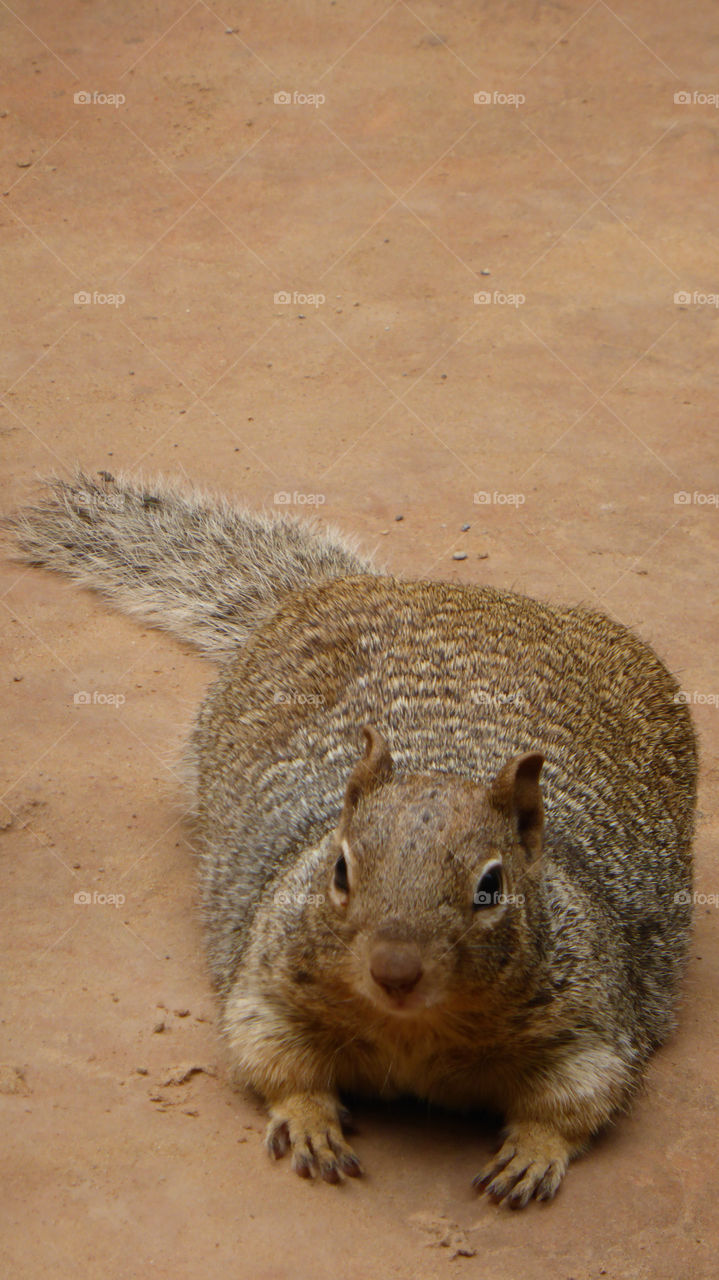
<point>490,904</point>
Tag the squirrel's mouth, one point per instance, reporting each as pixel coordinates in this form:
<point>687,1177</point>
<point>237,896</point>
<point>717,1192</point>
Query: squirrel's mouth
<point>399,1003</point>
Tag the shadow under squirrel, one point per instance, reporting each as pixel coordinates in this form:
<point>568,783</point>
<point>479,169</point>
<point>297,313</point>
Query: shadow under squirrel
<point>425,919</point>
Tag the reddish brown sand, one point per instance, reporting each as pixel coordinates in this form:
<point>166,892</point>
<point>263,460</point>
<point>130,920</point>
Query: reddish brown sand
<point>580,410</point>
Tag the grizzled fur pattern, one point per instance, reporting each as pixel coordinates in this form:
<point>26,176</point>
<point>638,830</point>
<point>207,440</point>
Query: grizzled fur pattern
<point>342,918</point>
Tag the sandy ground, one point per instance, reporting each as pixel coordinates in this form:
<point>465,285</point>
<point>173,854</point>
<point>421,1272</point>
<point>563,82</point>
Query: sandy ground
<point>558,420</point>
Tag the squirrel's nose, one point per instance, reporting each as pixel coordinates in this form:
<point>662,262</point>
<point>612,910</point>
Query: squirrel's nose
<point>396,966</point>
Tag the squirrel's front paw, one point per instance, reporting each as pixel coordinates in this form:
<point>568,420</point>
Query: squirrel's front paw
<point>310,1124</point>
<point>531,1162</point>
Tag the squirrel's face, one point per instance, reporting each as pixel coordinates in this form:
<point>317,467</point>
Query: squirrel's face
<point>426,882</point>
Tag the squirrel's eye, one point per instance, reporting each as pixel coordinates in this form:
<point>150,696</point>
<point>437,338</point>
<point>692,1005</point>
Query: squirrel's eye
<point>342,883</point>
<point>489,887</point>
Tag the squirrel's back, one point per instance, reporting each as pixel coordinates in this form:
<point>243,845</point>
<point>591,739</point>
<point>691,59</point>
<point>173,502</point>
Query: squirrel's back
<point>458,679</point>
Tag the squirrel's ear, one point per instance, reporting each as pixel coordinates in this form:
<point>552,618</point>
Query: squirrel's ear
<point>518,796</point>
<point>371,771</point>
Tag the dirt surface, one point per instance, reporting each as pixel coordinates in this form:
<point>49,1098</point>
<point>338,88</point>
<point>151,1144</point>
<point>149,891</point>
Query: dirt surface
<point>558,420</point>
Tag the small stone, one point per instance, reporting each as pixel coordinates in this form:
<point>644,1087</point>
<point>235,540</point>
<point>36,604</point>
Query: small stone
<point>465,527</point>
<point>12,1080</point>
<point>182,1013</point>
<point>398,518</point>
<point>180,1075</point>
<point>158,1028</point>
<point>485,271</point>
<point>460,555</point>
<point>142,1071</point>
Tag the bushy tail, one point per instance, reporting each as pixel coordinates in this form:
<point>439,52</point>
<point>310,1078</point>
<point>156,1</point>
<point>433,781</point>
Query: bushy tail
<point>195,565</point>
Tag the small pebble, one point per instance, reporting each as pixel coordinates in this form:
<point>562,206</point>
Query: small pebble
<point>158,1027</point>
<point>23,164</point>
<point>384,532</point>
<point>485,271</point>
<point>182,1013</point>
<point>141,1071</point>
<point>460,555</point>
<point>483,555</point>
<point>465,527</point>
<point>398,518</point>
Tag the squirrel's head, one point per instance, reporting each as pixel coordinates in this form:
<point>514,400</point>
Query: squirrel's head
<point>428,881</point>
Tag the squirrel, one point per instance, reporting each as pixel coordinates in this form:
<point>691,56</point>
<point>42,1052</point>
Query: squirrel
<point>445,830</point>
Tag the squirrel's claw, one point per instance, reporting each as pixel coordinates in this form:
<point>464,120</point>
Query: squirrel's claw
<point>310,1125</point>
<point>531,1163</point>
